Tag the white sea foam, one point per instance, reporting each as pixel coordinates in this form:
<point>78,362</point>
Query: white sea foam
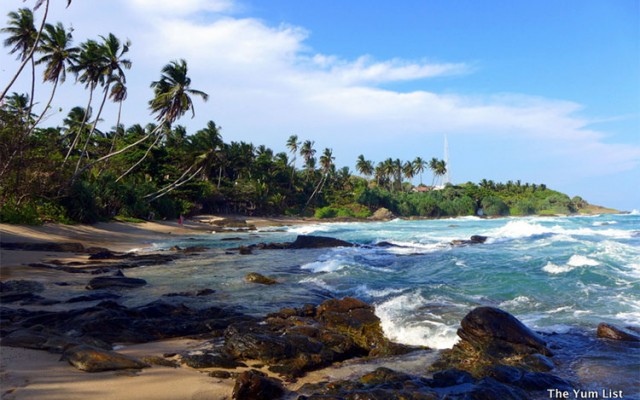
<point>523,229</point>
<point>395,319</point>
<point>635,211</point>
<point>604,223</point>
<point>366,291</point>
<point>556,269</point>
<point>518,301</point>
<point>577,260</point>
<point>331,265</point>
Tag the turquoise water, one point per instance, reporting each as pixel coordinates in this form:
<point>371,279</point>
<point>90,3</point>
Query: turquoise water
<point>560,275</point>
<point>553,273</point>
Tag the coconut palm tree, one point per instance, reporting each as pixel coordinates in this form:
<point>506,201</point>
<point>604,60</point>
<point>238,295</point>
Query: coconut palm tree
<point>293,145</point>
<point>58,56</point>
<point>408,170</point>
<point>88,71</point>
<point>326,164</point>
<point>23,37</point>
<point>109,65</point>
<point>308,152</point>
<point>171,101</point>
<point>365,167</point>
<point>419,166</point>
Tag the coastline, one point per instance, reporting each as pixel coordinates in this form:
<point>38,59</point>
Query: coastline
<point>29,374</point>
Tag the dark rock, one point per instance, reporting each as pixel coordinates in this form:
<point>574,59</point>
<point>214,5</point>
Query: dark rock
<point>103,255</point>
<point>194,249</point>
<point>163,362</point>
<point>115,282</point>
<point>489,337</point>
<point>255,277</point>
<point>244,250</point>
<point>210,360</point>
<point>231,223</point>
<point>93,297</point>
<point>490,389</point>
<point>317,242</point>
<point>92,359</point>
<point>490,324</point>
<point>51,342</point>
<point>293,341</point>
<point>231,239</point>
<point>220,374</point>
<point>197,293</point>
<point>475,239</point>
<point>45,246</point>
<point>22,286</point>
<point>451,377</point>
<point>255,385</point>
<point>607,331</point>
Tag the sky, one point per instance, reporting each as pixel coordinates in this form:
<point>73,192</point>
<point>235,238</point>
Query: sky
<point>538,91</point>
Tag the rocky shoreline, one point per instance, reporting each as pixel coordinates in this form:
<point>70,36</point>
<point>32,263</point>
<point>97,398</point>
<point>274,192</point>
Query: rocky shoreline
<point>497,356</point>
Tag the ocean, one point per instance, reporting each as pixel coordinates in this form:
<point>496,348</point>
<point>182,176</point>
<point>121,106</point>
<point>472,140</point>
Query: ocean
<point>559,275</point>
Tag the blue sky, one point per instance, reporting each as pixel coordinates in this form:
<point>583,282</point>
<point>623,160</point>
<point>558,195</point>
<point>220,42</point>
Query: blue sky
<point>541,91</point>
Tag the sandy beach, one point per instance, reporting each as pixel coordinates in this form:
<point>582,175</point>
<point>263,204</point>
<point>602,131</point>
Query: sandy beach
<point>35,374</point>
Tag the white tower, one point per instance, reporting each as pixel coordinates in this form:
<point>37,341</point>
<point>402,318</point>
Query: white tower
<point>447,176</point>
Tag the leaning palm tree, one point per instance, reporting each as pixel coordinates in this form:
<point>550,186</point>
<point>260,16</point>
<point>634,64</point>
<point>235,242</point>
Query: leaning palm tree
<point>88,70</point>
<point>171,101</point>
<point>58,56</point>
<point>27,53</point>
<point>110,65</point>
<point>433,166</point>
<point>326,164</point>
<point>23,40</point>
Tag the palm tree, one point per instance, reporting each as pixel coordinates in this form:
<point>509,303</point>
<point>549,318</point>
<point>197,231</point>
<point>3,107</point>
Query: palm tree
<point>408,170</point>
<point>326,163</point>
<point>293,144</point>
<point>419,166</point>
<point>88,70</point>
<point>58,56</point>
<point>110,65</point>
<point>308,152</point>
<point>27,52</point>
<point>24,38</point>
<point>171,100</point>
<point>365,167</point>
<point>438,167</point>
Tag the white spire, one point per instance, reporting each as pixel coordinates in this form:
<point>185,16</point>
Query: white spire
<point>447,176</point>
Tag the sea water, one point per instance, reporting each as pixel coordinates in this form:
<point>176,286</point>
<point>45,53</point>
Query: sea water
<point>559,275</point>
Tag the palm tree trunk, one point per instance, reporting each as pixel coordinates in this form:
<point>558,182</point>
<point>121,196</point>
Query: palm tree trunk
<point>53,93</point>
<point>30,55</point>
<point>176,184</point>
<point>113,140</point>
<point>93,127</point>
<point>140,160</point>
<point>84,120</point>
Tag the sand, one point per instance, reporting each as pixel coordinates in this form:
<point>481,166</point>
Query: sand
<point>34,374</point>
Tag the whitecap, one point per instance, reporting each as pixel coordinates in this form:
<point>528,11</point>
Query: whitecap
<point>581,261</point>
<point>556,269</point>
<point>517,301</point>
<point>325,266</point>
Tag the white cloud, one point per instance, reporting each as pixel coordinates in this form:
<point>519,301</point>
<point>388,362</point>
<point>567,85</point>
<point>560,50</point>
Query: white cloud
<point>181,7</point>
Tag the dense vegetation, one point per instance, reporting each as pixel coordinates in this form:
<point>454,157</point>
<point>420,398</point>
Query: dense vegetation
<point>86,171</point>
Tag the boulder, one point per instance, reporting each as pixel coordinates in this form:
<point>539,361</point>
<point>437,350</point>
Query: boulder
<point>255,385</point>
<point>92,359</point>
<point>490,336</point>
<point>294,341</point>
<point>255,277</point>
<point>317,242</point>
<point>382,214</point>
<point>607,331</point>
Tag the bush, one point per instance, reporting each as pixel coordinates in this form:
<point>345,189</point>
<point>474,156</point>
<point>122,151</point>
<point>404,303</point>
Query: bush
<point>494,206</point>
<point>326,212</point>
<point>24,213</point>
